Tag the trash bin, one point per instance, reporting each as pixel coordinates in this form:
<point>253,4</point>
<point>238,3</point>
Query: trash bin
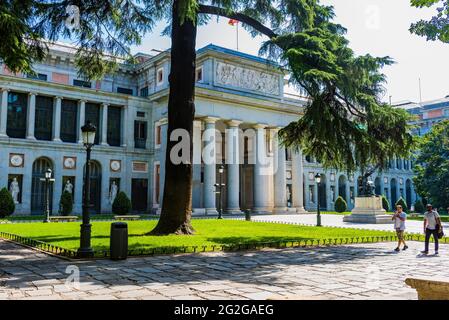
<point>119,241</point>
<point>248,215</point>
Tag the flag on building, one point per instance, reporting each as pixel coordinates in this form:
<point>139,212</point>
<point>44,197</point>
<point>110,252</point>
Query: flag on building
<point>233,22</point>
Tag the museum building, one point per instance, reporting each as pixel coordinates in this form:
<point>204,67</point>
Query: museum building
<point>40,127</point>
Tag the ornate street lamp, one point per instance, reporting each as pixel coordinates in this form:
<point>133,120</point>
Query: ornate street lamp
<point>220,192</point>
<point>48,179</point>
<point>85,250</point>
<point>318,216</point>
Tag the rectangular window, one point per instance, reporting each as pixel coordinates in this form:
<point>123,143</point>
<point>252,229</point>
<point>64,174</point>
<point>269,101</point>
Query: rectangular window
<point>158,138</point>
<point>157,174</point>
<point>140,134</point>
<point>82,83</point>
<point>160,76</point>
<point>17,115</point>
<point>38,76</point>
<point>144,92</point>
<point>125,91</point>
<point>69,116</point>
<point>199,74</point>
<point>114,125</point>
<point>44,118</point>
<point>93,115</point>
<point>288,154</point>
<point>140,114</point>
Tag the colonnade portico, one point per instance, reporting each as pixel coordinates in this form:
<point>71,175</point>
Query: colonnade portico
<point>266,184</point>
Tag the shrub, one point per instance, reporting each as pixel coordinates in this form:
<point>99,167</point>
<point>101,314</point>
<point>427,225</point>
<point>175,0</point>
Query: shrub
<point>7,205</point>
<point>385,204</point>
<point>419,206</point>
<point>66,203</point>
<point>121,204</point>
<point>341,205</point>
<point>401,202</point>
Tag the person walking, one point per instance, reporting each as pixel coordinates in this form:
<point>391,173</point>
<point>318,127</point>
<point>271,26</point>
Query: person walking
<point>399,218</point>
<point>432,226</point>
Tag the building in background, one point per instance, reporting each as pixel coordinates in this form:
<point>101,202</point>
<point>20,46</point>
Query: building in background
<point>427,113</point>
<point>41,117</point>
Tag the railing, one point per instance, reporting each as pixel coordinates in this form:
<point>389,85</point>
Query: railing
<point>47,247</point>
<point>310,243</point>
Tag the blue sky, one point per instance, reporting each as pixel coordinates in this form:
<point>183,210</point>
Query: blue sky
<point>378,27</point>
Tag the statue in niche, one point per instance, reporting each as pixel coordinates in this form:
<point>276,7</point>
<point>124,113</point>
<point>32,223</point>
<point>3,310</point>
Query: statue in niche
<point>69,187</point>
<point>113,192</point>
<point>14,189</point>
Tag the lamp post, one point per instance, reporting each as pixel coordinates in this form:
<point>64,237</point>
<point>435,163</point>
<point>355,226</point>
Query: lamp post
<point>47,181</point>
<point>220,192</point>
<point>318,216</point>
<point>85,250</point>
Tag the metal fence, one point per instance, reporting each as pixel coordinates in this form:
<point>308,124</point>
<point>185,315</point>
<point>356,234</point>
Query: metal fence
<point>308,243</point>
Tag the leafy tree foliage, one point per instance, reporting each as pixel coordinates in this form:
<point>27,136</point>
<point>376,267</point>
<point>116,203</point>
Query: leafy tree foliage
<point>432,166</point>
<point>419,206</point>
<point>437,28</point>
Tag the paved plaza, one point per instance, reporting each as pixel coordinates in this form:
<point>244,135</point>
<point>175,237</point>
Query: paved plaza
<point>331,220</point>
<point>368,271</point>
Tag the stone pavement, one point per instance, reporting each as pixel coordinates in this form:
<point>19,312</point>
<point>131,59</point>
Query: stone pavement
<point>331,220</point>
<point>368,271</point>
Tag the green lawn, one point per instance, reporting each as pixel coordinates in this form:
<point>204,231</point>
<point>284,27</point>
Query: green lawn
<point>209,232</point>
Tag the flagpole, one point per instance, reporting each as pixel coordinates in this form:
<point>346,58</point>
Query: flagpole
<point>237,37</point>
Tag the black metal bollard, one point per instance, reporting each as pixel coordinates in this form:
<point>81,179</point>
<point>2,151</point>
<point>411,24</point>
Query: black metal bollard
<point>248,215</point>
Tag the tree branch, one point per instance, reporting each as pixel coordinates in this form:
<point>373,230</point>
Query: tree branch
<point>205,9</point>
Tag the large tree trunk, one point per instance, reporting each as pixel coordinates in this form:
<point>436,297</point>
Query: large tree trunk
<point>177,200</point>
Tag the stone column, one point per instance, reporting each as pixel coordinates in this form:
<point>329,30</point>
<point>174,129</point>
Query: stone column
<point>262,172</point>
<point>162,155</point>
<point>232,159</point>
<point>210,164</point>
<point>329,202</point>
<point>104,125</point>
<point>57,120</point>
<point>197,146</point>
<point>31,115</point>
<point>297,182</point>
<point>81,119</point>
<point>126,136</point>
<point>280,180</point>
<point>4,113</point>
<point>348,194</point>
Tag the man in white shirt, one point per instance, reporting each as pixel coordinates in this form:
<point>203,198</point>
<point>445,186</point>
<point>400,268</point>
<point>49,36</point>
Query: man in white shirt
<point>399,218</point>
<point>432,225</point>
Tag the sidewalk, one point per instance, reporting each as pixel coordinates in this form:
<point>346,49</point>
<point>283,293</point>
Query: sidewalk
<point>330,220</point>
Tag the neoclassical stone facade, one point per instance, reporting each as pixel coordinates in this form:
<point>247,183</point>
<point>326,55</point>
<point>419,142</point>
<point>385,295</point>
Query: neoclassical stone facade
<point>240,106</point>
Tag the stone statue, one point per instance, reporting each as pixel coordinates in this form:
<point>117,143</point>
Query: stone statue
<point>113,192</point>
<point>14,189</point>
<point>68,187</point>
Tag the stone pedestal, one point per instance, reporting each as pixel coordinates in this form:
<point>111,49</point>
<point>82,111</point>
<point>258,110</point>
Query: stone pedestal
<point>430,288</point>
<point>368,210</point>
